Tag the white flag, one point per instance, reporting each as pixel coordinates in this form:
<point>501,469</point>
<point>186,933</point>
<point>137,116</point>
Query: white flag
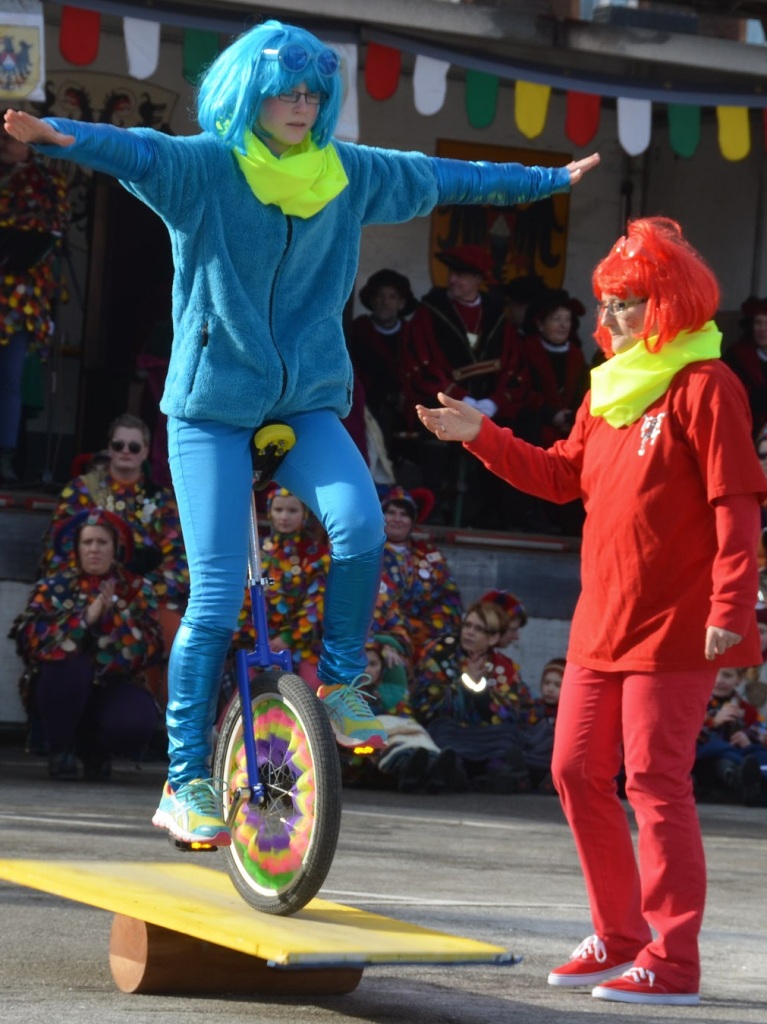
<point>348,127</point>
<point>634,124</point>
<point>429,84</point>
<point>142,46</point>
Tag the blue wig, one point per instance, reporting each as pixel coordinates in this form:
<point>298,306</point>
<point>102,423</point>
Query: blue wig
<point>235,85</point>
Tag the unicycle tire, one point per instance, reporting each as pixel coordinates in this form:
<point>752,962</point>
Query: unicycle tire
<point>282,849</point>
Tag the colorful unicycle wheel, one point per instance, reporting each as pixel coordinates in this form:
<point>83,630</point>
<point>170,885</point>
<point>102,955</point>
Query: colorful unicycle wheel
<point>282,847</point>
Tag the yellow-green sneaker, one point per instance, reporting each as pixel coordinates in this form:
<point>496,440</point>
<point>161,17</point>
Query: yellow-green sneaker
<point>351,719</point>
<point>192,814</point>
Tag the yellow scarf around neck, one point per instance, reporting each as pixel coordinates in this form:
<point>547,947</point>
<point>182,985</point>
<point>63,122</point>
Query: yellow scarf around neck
<point>624,386</point>
<point>301,182</point>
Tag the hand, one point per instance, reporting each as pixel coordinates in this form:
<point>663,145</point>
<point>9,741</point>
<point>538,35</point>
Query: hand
<point>33,131</point>
<point>101,604</point>
<point>719,640</point>
<point>727,713</point>
<point>739,739</point>
<point>580,167</point>
<point>391,657</point>
<point>457,421</point>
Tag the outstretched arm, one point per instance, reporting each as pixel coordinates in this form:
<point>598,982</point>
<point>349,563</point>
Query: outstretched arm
<point>125,154</point>
<point>30,129</point>
<point>479,182</point>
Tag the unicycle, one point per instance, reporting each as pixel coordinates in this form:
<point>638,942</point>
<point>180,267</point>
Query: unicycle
<point>276,752</point>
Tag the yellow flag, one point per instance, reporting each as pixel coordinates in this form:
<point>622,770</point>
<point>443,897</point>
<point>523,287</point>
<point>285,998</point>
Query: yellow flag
<point>734,132</point>
<point>531,105</point>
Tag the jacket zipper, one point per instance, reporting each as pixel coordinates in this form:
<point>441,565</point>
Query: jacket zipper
<point>288,240</point>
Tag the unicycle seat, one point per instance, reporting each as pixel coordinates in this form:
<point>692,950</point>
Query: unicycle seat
<point>271,443</point>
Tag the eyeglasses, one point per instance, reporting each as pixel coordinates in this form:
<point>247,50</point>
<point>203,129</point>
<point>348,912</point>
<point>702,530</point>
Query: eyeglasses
<point>294,57</point>
<point>313,99</point>
<point>617,306</point>
<point>133,446</point>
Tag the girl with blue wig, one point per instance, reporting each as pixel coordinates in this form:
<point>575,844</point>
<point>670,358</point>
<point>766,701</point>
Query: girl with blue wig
<point>265,212</point>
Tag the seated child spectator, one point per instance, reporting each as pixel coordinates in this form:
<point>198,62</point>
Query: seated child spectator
<point>376,345</point>
<point>298,563</point>
<point>471,700</point>
<point>415,573</point>
<point>90,632</point>
<point>412,760</point>
<point>539,723</point>
<point>732,745</point>
<point>515,610</point>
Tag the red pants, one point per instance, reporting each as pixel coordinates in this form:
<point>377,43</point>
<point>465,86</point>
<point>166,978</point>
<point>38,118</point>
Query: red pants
<point>649,721</point>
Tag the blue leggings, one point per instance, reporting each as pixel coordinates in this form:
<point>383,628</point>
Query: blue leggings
<point>212,474</point>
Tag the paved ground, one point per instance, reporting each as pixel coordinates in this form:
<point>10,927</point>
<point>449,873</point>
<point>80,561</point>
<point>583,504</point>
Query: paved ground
<point>500,869</point>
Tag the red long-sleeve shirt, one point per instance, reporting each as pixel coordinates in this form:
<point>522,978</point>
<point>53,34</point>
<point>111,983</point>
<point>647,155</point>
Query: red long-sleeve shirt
<point>669,542</point>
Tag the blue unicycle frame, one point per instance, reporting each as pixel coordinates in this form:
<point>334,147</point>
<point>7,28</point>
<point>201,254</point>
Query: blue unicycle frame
<point>262,656</point>
<point>278,760</point>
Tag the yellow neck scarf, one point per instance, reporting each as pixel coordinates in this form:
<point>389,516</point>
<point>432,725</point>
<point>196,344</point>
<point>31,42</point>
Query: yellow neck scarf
<point>624,386</point>
<point>301,182</point>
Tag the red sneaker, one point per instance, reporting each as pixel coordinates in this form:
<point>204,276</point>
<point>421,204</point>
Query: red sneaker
<point>638,985</point>
<point>588,964</point>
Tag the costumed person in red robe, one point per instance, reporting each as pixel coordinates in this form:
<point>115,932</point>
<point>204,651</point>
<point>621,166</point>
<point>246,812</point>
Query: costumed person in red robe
<point>660,453</point>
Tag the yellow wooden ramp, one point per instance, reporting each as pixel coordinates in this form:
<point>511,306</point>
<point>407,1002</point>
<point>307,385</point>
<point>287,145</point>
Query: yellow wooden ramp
<point>170,916</point>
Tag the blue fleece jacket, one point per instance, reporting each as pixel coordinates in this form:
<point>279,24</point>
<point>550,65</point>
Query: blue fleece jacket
<point>258,295</point>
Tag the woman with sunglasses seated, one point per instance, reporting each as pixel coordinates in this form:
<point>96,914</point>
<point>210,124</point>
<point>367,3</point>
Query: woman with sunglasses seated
<point>90,631</point>
<point>265,211</point>
<point>121,483</point>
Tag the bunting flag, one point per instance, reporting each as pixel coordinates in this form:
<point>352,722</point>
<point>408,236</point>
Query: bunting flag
<point>531,105</point>
<point>683,129</point>
<point>582,117</point>
<point>200,50</point>
<point>79,35</point>
<point>481,96</point>
<point>382,70</point>
<point>734,132</point>
<point>429,84</point>
<point>348,127</point>
<point>142,46</point>
<point>634,124</point>
<point>22,70</point>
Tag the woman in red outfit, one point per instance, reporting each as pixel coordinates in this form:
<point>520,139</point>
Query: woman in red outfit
<point>660,454</point>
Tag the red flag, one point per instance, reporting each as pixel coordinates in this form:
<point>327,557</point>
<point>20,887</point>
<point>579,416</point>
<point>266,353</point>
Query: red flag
<point>382,68</point>
<point>79,35</point>
<point>582,117</point>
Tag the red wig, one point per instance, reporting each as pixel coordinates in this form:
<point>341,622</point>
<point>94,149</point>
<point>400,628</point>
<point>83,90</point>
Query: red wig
<point>655,261</point>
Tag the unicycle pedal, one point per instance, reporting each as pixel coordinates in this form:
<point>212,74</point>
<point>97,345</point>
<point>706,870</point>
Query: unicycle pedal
<point>195,847</point>
<point>271,443</point>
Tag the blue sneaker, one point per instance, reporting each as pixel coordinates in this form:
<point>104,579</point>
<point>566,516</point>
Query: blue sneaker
<point>192,814</point>
<point>351,719</point>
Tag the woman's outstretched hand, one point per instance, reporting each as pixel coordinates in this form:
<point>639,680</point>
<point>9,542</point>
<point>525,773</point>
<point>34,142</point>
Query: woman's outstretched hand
<point>30,129</point>
<point>578,168</point>
<point>457,421</point>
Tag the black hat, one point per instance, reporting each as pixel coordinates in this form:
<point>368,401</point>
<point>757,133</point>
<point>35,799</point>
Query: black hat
<point>551,299</point>
<point>524,289</point>
<point>388,279</point>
